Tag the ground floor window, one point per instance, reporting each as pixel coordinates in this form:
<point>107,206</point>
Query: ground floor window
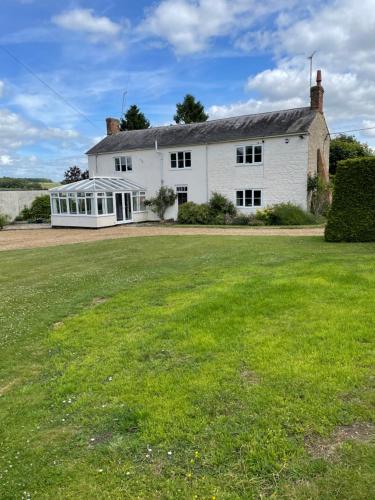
<point>249,198</point>
<point>105,203</point>
<point>182,194</point>
<point>139,201</point>
<point>79,203</point>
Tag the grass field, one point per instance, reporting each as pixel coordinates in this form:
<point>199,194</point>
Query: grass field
<point>188,367</point>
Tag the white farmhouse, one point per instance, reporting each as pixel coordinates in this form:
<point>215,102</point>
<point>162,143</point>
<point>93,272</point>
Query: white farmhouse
<point>254,160</point>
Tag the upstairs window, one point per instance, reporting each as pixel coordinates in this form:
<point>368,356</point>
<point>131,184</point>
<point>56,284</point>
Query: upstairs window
<point>181,159</point>
<point>249,198</point>
<point>123,164</point>
<point>247,155</point>
<point>182,194</point>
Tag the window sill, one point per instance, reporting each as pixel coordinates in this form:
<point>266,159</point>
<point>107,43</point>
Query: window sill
<point>177,169</point>
<point>248,164</point>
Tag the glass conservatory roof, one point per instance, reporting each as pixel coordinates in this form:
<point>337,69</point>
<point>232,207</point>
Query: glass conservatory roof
<point>99,184</point>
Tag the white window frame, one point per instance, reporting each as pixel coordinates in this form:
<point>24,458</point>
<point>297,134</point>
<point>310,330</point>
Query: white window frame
<point>243,147</point>
<point>176,168</point>
<point>243,190</point>
<point>105,195</point>
<point>74,196</point>
<point>136,196</point>
<point>126,160</point>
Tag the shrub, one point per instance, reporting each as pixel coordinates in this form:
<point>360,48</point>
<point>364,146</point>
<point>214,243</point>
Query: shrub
<point>352,215</point>
<point>4,220</point>
<point>40,209</point>
<point>164,199</point>
<point>285,214</point>
<point>219,204</point>
<point>192,213</point>
<point>246,220</point>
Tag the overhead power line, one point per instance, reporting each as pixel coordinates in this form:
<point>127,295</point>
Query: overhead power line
<point>354,130</point>
<point>48,86</point>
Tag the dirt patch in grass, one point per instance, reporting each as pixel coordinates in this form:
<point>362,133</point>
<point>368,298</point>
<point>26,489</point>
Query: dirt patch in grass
<point>250,377</point>
<point>99,300</point>
<point>102,438</point>
<point>7,387</point>
<point>326,448</point>
<point>58,325</point>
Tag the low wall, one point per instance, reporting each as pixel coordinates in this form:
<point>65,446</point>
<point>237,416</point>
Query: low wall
<point>12,202</point>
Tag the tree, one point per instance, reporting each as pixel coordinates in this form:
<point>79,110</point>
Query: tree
<point>74,174</point>
<point>134,119</point>
<point>164,199</point>
<point>190,111</point>
<point>345,147</point>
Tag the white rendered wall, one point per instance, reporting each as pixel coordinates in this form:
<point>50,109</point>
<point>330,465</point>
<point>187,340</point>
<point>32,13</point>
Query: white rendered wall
<point>282,176</point>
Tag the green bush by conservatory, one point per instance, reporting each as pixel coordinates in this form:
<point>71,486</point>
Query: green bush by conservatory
<point>352,215</point>
<point>40,209</point>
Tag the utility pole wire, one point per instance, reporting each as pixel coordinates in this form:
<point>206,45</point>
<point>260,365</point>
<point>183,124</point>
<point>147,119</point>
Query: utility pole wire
<point>51,89</point>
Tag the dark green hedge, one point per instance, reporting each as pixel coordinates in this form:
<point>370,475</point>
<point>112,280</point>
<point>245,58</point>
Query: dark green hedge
<point>352,215</point>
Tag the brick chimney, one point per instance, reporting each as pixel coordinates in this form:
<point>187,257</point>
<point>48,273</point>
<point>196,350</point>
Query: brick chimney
<point>113,126</point>
<point>316,93</point>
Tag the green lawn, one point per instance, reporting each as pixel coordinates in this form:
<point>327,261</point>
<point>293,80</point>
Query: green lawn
<point>205,373</point>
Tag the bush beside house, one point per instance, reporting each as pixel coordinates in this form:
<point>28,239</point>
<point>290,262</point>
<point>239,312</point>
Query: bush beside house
<point>219,210</point>
<point>352,215</point>
<point>40,209</point>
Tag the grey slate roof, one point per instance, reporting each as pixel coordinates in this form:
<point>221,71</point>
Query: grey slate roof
<point>290,121</point>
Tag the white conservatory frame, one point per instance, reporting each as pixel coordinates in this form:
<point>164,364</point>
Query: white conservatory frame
<point>97,202</point>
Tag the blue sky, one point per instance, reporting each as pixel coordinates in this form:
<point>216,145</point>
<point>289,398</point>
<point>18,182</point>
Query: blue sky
<point>236,56</point>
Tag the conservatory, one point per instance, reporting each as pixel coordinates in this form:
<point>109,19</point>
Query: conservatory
<point>97,202</point>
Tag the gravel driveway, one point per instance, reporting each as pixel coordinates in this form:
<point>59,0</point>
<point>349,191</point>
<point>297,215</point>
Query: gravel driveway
<point>34,238</point>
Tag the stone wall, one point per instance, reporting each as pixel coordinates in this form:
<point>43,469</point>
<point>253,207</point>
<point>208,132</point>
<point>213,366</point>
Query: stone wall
<point>12,202</point>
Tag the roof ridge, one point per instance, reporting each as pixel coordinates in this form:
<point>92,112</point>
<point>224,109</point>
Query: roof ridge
<point>211,121</point>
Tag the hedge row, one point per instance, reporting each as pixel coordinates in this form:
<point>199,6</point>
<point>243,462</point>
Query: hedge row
<point>352,215</point>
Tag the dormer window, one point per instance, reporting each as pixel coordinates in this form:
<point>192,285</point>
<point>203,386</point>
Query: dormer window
<point>248,155</point>
<point>123,164</point>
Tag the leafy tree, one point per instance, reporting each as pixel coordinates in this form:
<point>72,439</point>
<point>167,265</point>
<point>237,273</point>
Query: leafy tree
<point>345,147</point>
<point>74,174</point>
<point>190,111</point>
<point>164,199</point>
<point>134,119</point>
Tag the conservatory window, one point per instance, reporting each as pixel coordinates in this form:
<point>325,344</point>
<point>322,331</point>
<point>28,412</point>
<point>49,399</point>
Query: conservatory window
<point>63,204</point>
<point>139,201</point>
<point>105,203</point>
<point>72,203</point>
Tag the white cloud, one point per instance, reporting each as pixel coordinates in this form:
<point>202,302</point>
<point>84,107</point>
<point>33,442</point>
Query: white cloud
<point>190,26</point>
<point>16,132</point>
<point>6,160</point>
<point>98,28</point>
<point>342,35</point>
<point>1,88</point>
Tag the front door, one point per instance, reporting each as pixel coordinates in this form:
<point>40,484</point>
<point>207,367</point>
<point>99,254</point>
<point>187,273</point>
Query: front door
<point>123,207</point>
